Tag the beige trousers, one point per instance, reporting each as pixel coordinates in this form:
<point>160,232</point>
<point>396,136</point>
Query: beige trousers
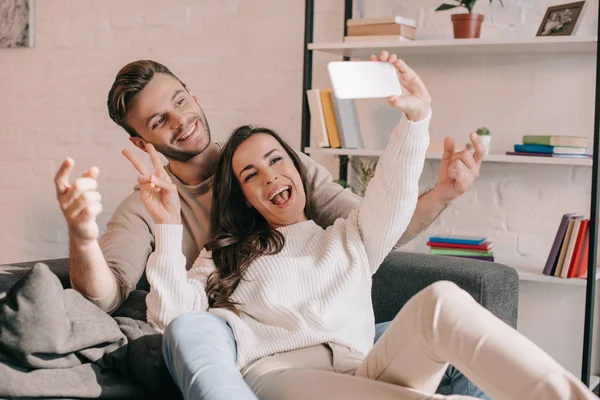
<point>441,324</point>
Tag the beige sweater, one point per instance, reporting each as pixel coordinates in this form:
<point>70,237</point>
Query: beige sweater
<point>318,288</point>
<point>130,238</point>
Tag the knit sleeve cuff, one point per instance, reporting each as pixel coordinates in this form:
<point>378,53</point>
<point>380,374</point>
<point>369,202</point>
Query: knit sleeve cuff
<point>168,238</point>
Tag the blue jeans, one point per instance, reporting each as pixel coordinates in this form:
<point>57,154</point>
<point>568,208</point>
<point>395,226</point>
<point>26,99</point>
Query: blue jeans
<point>200,352</point>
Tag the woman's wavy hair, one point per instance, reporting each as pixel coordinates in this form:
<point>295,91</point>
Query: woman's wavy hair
<point>240,234</point>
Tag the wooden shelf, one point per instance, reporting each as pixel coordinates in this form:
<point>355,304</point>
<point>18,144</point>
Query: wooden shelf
<point>534,274</point>
<point>498,158</point>
<point>555,44</point>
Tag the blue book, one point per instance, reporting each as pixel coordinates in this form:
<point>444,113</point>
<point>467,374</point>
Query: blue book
<point>538,148</point>
<point>471,240</point>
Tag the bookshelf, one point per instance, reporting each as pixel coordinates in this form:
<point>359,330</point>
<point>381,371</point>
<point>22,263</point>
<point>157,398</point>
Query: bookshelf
<point>498,158</point>
<point>532,273</point>
<point>558,44</point>
<point>435,48</point>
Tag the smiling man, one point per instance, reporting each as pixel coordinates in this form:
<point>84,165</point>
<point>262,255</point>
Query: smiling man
<point>154,107</point>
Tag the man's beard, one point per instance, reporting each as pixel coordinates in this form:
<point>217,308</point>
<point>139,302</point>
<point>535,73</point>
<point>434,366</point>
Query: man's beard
<point>186,155</point>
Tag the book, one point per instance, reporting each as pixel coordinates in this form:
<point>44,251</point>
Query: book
<point>382,30</point>
<point>470,240</point>
<point>476,258</point>
<point>582,267</point>
<point>556,140</point>
<point>392,19</point>
<point>558,239</point>
<point>538,148</point>
<point>484,246</point>
<point>570,248</point>
<point>563,248</point>
<point>577,250</point>
<point>330,122</point>
<point>386,38</point>
<point>347,123</point>
<point>317,118</point>
<point>522,153</point>
<point>462,252</point>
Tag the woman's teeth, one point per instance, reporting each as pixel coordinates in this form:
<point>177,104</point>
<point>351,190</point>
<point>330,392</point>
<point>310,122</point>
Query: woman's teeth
<point>281,198</point>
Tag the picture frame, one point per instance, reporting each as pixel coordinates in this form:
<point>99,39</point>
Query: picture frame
<point>562,19</point>
<point>17,23</point>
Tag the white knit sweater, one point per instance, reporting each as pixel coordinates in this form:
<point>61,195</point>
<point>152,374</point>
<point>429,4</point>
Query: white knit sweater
<point>318,288</point>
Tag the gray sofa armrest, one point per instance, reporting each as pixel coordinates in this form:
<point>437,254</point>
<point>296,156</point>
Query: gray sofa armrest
<point>402,275</point>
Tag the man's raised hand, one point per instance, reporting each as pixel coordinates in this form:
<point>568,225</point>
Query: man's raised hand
<point>79,200</point>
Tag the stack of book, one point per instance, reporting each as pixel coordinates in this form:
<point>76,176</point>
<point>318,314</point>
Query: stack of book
<point>380,29</point>
<point>462,246</point>
<point>334,122</point>
<point>568,257</point>
<point>551,146</point>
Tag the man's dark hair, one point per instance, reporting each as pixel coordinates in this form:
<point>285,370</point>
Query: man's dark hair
<point>131,80</point>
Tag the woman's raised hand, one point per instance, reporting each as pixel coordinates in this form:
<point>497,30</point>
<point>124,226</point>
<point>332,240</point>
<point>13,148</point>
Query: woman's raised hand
<point>157,191</point>
<point>415,101</point>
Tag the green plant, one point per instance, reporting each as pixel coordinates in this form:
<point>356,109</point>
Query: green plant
<point>468,4</point>
<point>344,184</point>
<point>483,131</point>
<point>364,170</point>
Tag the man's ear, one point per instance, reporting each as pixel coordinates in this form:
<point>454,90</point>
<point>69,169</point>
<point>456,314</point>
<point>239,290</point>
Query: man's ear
<point>138,142</point>
<point>248,204</point>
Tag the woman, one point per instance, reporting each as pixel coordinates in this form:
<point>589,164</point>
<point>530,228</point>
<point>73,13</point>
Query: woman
<point>298,297</point>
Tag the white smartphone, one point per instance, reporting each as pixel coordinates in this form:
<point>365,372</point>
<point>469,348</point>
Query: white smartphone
<point>363,79</point>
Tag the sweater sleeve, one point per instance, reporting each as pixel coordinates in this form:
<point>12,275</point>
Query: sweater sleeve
<point>391,196</point>
<point>173,290</point>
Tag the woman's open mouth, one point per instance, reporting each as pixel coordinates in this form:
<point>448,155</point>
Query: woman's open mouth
<point>281,196</point>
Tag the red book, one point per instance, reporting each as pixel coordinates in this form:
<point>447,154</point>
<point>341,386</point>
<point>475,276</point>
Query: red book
<point>581,267</point>
<point>484,246</point>
<point>577,250</point>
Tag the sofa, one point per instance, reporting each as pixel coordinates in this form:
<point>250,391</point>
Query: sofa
<point>402,274</point>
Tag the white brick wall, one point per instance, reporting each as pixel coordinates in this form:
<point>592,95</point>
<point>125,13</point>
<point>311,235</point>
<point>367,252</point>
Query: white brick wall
<point>244,60</point>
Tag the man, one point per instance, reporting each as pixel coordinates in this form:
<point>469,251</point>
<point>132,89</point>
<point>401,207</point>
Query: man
<point>155,107</point>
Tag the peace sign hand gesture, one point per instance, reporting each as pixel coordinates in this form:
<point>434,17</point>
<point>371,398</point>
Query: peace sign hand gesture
<point>157,191</point>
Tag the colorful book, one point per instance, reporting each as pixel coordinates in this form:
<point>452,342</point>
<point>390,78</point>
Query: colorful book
<point>564,247</point>
<point>556,140</point>
<point>330,122</point>
<point>382,30</point>
<point>522,153</point>
<point>469,240</point>
<point>538,148</point>
<point>484,246</point>
<point>582,267</point>
<point>477,258</point>
<point>317,118</point>
<point>461,252</point>
<point>558,239</point>
<point>570,248</point>
<point>577,250</point>
<point>392,19</point>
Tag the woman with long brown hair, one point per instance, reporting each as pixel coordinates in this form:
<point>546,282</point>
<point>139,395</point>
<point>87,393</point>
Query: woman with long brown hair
<point>298,297</point>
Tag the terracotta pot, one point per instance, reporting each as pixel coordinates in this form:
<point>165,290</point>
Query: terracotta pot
<point>467,25</point>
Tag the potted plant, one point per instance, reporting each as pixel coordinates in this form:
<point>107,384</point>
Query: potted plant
<point>466,25</point>
<point>485,137</point>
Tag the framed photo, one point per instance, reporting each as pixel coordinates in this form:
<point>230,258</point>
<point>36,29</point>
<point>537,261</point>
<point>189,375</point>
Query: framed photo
<point>561,20</point>
<point>16,23</point>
